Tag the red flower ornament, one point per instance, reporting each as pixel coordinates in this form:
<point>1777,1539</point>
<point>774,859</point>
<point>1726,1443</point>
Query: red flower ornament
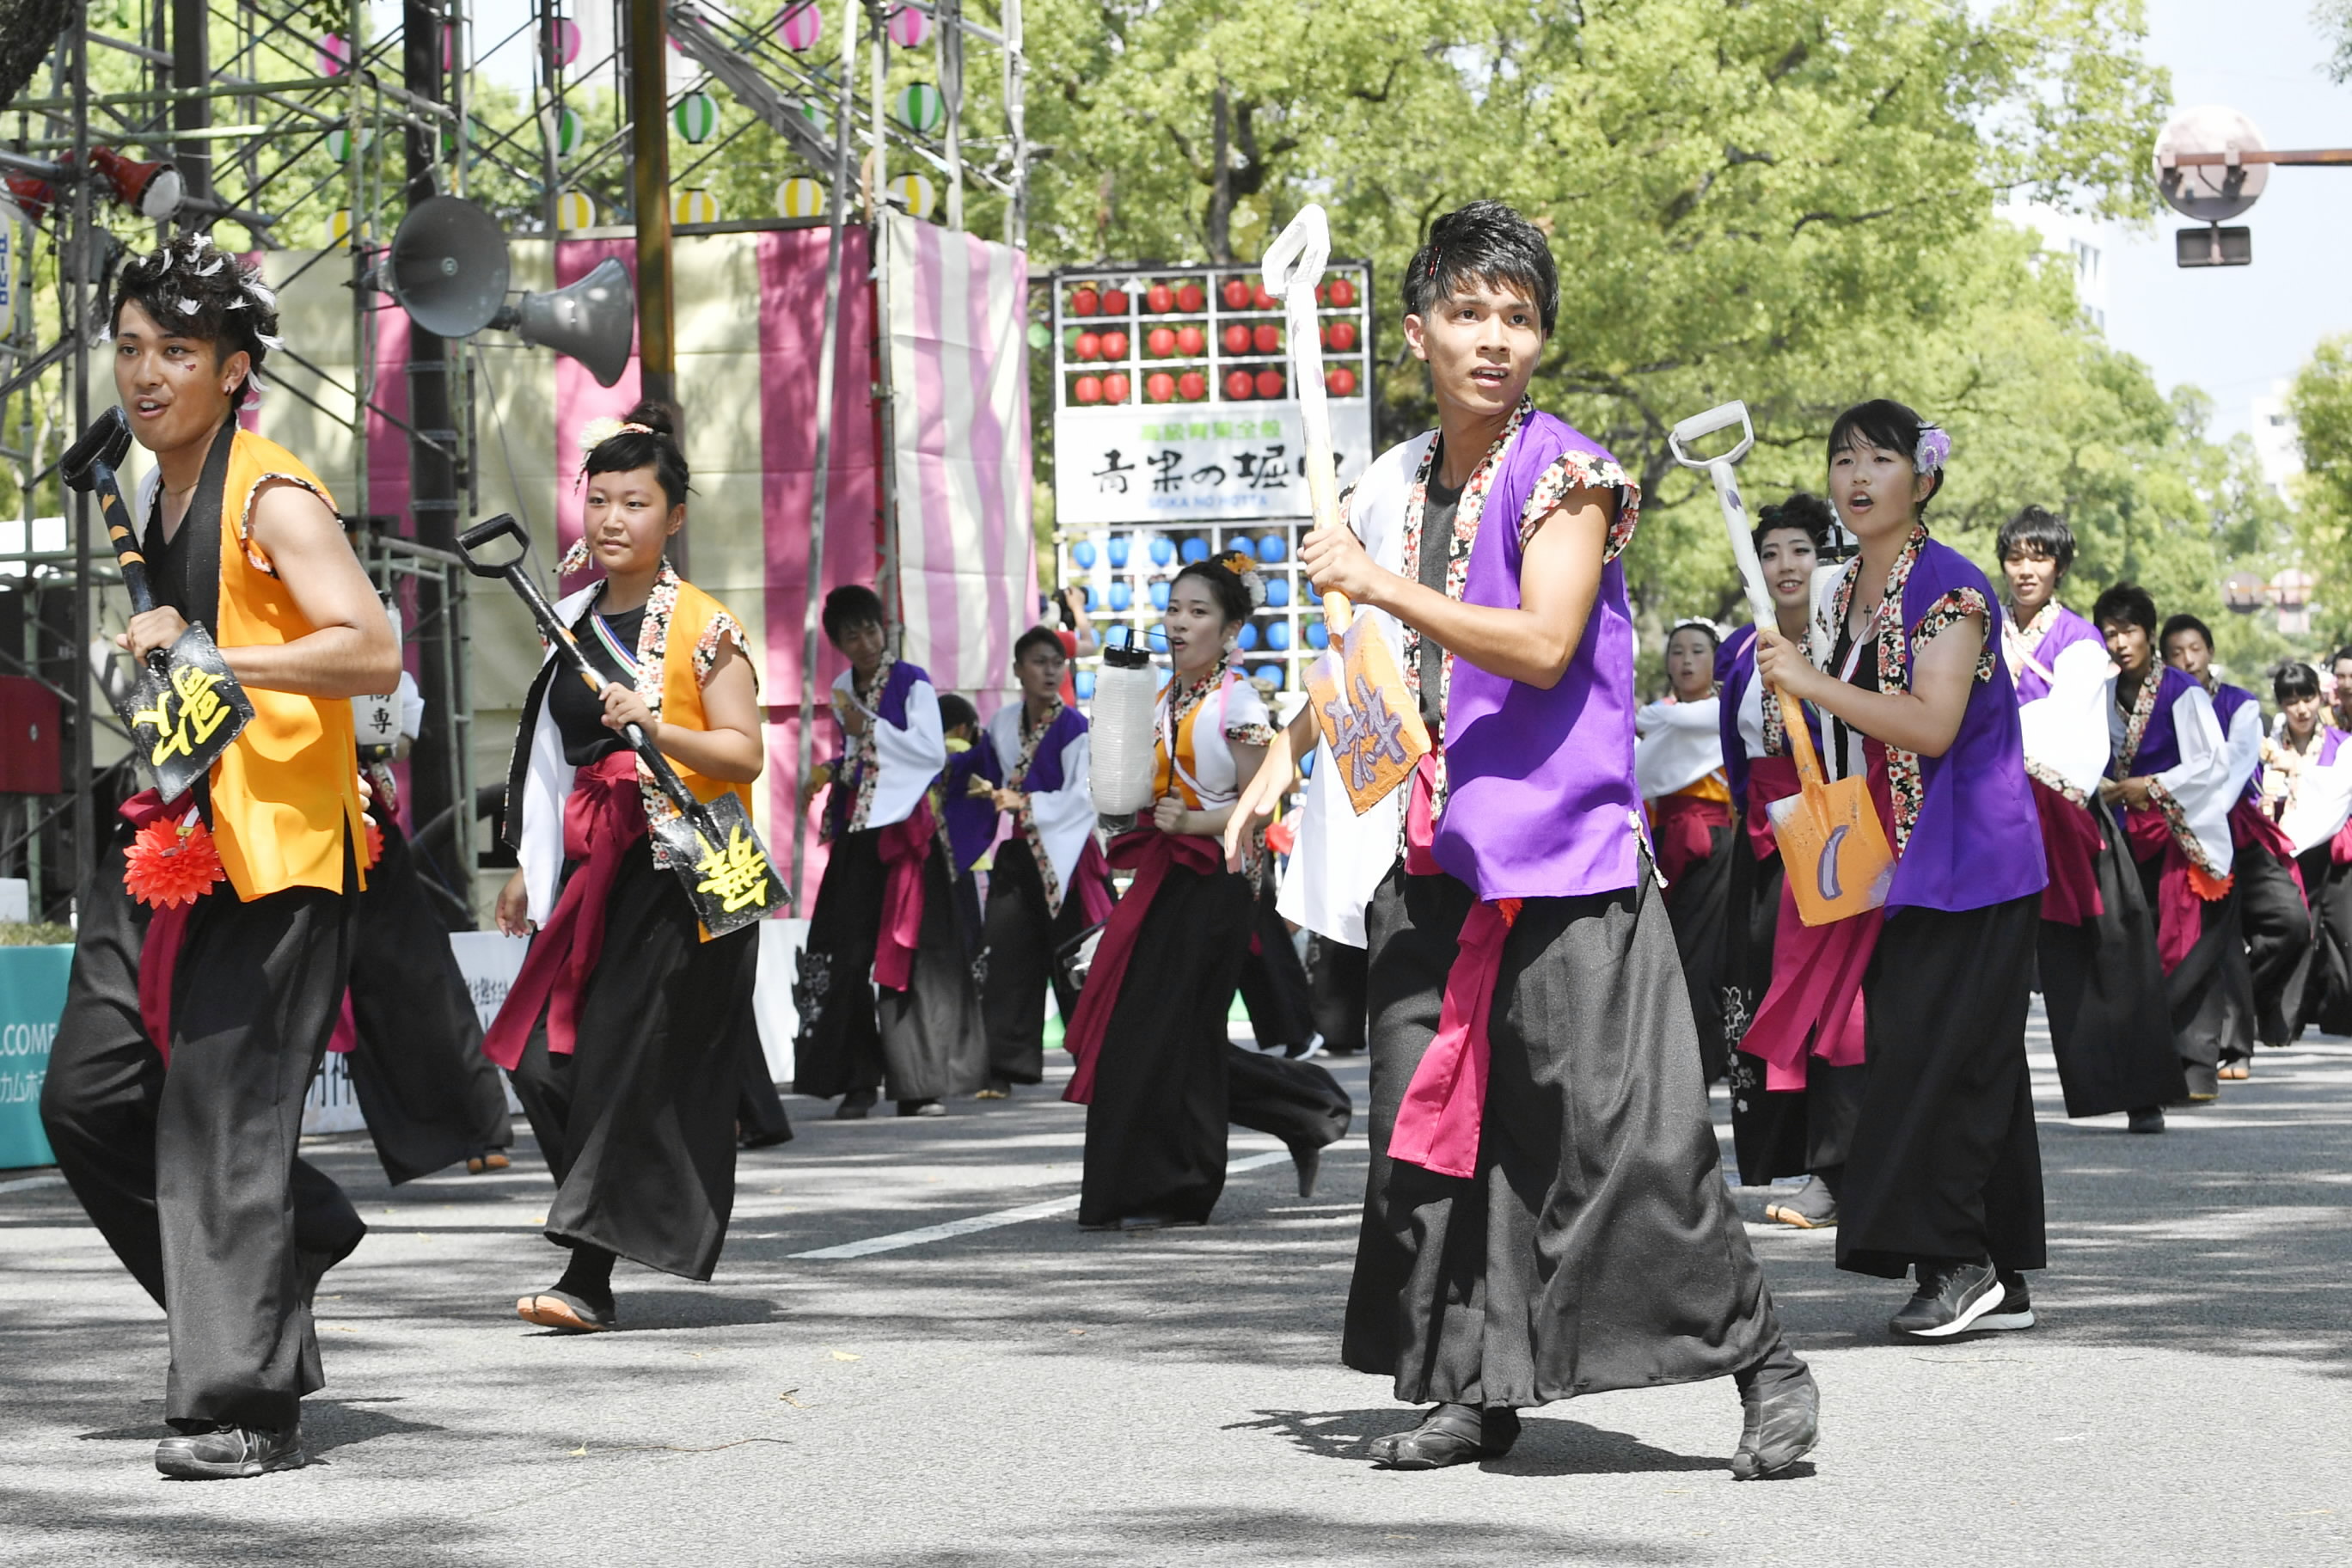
<point>170,863</point>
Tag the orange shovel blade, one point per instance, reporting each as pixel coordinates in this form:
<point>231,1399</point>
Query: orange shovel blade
<point>1369,719</point>
<point>1833,850</point>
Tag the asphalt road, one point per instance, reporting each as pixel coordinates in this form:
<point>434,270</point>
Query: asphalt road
<point>1028,1394</point>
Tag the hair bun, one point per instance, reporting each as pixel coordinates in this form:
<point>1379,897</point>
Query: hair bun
<point>656,417</point>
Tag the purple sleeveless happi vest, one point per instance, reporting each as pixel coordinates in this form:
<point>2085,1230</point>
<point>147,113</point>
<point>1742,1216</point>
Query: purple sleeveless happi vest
<point>2066,629</point>
<point>1541,799</point>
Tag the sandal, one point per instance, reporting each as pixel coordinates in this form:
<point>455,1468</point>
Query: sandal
<point>495,1159</point>
<point>553,1308</point>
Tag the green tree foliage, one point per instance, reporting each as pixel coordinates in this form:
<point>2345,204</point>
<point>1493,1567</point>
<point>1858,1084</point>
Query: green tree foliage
<point>2321,403</point>
<point>1790,202</point>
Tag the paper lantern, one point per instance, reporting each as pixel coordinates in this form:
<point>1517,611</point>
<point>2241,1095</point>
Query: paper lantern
<point>1083,683</point>
<point>1122,598</point>
<point>1163,550</point>
<point>1318,635</point>
<point>696,117</point>
<point>334,54</point>
<point>695,205</point>
<point>1277,636</point>
<point>1270,673</point>
<point>800,196</point>
<point>816,115</point>
<point>339,228</point>
<point>909,27</point>
<point>566,41</point>
<point>915,193</point>
<point>919,106</point>
<point>574,210</point>
<point>1195,548</point>
<point>1278,593</point>
<point>1248,636</point>
<point>800,27</point>
<point>1120,547</point>
<point>1272,548</point>
<point>339,143</point>
<point>568,131</point>
<point>1083,552</point>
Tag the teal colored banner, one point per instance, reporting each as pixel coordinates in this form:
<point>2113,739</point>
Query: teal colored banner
<point>32,997</point>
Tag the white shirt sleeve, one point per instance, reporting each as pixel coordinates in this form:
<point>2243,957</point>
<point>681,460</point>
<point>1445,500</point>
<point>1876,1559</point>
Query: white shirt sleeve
<point>1681,743</point>
<point>2200,783</point>
<point>2244,745</point>
<point>905,760</point>
<point>2322,804</point>
<point>2067,732</point>
<point>1065,816</point>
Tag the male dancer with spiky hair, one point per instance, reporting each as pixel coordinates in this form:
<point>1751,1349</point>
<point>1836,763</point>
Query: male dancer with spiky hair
<point>189,1032</point>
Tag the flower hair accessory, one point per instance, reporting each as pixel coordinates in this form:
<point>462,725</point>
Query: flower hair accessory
<point>1934,450</point>
<point>1697,623</point>
<point>1244,565</point>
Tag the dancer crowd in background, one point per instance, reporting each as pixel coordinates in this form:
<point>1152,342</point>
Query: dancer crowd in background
<point>1578,911</point>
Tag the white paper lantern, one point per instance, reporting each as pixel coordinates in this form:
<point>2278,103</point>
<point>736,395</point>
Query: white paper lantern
<point>915,193</point>
<point>694,206</point>
<point>800,197</point>
<point>574,210</point>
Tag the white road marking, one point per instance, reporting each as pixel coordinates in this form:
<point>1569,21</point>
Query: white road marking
<point>966,1226</point>
<point>51,1179</point>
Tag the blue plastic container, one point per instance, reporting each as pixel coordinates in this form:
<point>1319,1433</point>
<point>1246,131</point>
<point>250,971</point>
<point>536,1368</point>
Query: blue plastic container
<point>1119,546</point>
<point>1318,635</point>
<point>1278,593</point>
<point>1277,636</point>
<point>1083,683</point>
<point>1270,673</point>
<point>1249,634</point>
<point>1121,598</point>
<point>1163,550</point>
<point>1272,548</point>
<point>1083,552</point>
<point>1195,550</point>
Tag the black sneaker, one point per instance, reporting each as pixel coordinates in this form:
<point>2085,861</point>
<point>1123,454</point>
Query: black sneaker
<point>2147,1119</point>
<point>229,1453</point>
<point>2014,1311</point>
<point>1813,1208</point>
<point>855,1107</point>
<point>921,1108</point>
<point>1950,1299</point>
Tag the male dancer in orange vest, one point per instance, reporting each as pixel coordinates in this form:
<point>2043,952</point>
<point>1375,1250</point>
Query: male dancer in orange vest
<point>175,1107</point>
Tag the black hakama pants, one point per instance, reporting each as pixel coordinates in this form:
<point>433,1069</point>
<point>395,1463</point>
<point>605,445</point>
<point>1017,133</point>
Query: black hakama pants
<point>2319,993</point>
<point>1274,981</point>
<point>1597,1246</point>
<point>2211,992</point>
<point>1946,1165</point>
<point>192,1174</point>
<point>1698,906</point>
<point>927,1042</point>
<point>430,1096</point>
<point>1024,935</point>
<point>2103,988</point>
<point>1337,984</point>
<point>2278,935</point>
<point>760,1120</point>
<point>1169,1079</point>
<point>637,1123</point>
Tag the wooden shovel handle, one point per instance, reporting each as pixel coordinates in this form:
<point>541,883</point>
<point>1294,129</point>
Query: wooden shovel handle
<point>1801,743</point>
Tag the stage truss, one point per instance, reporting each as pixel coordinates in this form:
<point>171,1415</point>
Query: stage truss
<point>311,128</point>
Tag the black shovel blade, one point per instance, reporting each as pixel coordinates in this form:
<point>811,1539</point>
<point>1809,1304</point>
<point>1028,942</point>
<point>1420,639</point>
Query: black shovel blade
<point>182,716</point>
<point>725,866</point>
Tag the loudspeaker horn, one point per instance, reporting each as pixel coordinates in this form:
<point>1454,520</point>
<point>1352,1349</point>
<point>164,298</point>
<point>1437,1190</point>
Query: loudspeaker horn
<point>448,266</point>
<point>594,321</point>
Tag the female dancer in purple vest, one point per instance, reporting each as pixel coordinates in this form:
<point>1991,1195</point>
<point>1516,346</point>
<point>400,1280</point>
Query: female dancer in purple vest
<point>1944,1177</point>
<point>1545,1216</point>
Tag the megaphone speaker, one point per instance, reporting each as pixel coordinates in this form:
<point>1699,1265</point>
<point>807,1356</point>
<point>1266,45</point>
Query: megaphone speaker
<point>448,266</point>
<point>594,321</point>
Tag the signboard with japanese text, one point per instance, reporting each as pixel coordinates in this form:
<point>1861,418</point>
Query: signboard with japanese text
<point>1175,466</point>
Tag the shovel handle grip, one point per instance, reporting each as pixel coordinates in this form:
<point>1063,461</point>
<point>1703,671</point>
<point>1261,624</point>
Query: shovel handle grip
<point>1801,743</point>
<point>125,543</point>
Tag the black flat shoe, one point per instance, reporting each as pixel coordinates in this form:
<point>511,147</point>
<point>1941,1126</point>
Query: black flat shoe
<point>229,1453</point>
<point>1310,1165</point>
<point>1777,1429</point>
<point>1449,1434</point>
<point>853,1108</point>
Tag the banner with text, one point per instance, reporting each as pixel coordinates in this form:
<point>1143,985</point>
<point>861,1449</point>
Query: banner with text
<point>1171,465</point>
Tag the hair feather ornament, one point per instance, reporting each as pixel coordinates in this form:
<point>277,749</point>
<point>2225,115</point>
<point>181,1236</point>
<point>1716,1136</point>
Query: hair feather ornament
<point>1244,565</point>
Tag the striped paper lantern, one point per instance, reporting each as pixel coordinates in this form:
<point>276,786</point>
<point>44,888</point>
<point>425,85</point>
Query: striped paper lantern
<point>567,41</point>
<point>696,117</point>
<point>800,196</point>
<point>339,142</point>
<point>915,193</point>
<point>695,205</point>
<point>334,54</point>
<point>800,27</point>
<point>816,115</point>
<point>339,228</point>
<point>908,26</point>
<point>568,131</point>
<point>574,210</point>
<point>921,106</point>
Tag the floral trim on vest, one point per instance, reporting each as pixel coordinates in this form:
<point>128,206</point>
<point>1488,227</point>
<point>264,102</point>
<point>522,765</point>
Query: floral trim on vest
<point>2136,720</point>
<point>1032,736</point>
<point>2043,774</point>
<point>869,766</point>
<point>1903,775</point>
<point>1947,611</point>
<point>254,557</point>
<point>2175,821</point>
<point>2024,642</point>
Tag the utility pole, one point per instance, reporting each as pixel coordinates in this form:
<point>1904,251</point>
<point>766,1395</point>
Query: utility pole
<point>649,131</point>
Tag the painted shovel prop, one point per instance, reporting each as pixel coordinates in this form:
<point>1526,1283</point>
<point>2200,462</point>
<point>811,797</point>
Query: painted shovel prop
<point>185,706</point>
<point>1369,719</point>
<point>718,854</point>
<point>1834,847</point>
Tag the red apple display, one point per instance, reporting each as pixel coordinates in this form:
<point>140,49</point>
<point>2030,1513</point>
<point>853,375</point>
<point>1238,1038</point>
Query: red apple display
<point>1339,337</point>
<point>1159,300</point>
<point>1087,389</point>
<point>1192,341</point>
<point>1236,339</point>
<point>1192,386</point>
<point>1237,294</point>
<point>1267,339</point>
<point>1343,293</point>
<point>1340,381</point>
<point>1260,298</point>
<point>1192,298</point>
<point>1269,383</point>
<point>1159,343</point>
<point>1114,346</point>
<point>1159,387</point>
<point>1114,302</point>
<point>1084,302</point>
<point>1090,345</point>
<point>1115,387</point>
<point>1239,384</point>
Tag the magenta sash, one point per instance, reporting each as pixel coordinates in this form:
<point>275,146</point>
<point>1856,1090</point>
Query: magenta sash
<point>2069,843</point>
<point>1148,853</point>
<point>906,844</point>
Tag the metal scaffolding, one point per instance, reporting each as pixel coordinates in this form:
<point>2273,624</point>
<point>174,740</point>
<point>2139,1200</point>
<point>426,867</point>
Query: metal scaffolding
<point>288,136</point>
